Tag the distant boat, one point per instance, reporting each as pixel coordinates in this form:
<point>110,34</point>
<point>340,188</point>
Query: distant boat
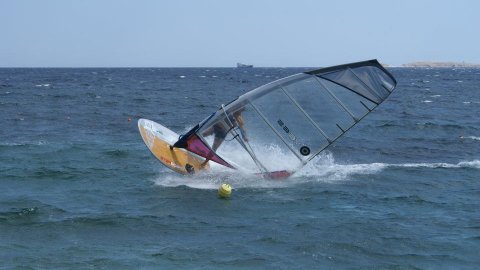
<point>240,65</point>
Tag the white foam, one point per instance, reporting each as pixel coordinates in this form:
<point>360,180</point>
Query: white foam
<point>213,178</point>
<point>470,137</point>
<point>325,168</point>
<point>427,101</point>
<point>470,164</point>
<point>462,164</point>
<point>22,143</point>
<point>322,168</point>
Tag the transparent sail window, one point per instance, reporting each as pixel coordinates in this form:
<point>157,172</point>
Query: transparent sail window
<point>296,130</point>
<point>355,103</point>
<point>321,106</point>
<point>375,79</point>
<point>350,80</point>
<point>257,136</point>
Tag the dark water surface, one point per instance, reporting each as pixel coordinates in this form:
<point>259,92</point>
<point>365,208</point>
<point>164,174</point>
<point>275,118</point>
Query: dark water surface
<point>79,189</point>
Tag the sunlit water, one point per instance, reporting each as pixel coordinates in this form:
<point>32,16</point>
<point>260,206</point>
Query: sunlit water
<point>80,189</point>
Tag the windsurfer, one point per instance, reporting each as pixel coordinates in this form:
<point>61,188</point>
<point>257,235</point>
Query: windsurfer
<point>221,129</point>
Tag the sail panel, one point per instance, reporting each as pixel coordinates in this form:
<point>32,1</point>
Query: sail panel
<point>290,122</point>
<point>348,79</point>
<point>349,99</point>
<point>320,106</point>
<point>197,146</point>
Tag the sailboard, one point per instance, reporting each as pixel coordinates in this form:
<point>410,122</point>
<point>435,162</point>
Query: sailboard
<point>295,117</point>
<point>159,141</point>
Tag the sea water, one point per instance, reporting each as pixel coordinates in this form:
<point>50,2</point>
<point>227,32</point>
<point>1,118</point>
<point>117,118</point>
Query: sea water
<point>79,189</point>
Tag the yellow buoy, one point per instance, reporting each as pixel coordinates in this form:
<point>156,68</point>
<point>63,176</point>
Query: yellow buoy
<point>224,191</point>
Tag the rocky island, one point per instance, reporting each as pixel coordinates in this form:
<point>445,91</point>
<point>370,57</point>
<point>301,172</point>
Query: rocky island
<point>441,64</point>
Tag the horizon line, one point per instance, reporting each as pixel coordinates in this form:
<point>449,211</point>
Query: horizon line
<point>246,68</point>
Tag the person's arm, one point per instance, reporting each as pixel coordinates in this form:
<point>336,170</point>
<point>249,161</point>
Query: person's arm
<point>241,125</point>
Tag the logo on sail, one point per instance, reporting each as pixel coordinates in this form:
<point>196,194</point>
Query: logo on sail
<point>287,130</point>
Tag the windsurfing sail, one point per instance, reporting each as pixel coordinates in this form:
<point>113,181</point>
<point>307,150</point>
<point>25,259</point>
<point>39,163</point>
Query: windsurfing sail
<point>294,118</point>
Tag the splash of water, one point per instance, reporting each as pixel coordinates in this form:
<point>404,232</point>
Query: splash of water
<point>321,169</point>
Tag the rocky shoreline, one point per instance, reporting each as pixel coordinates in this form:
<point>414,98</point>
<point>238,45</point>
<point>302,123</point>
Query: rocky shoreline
<point>441,64</point>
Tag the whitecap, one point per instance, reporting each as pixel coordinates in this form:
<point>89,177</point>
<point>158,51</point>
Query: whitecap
<point>427,101</point>
<point>326,168</point>
<point>462,164</point>
<point>470,137</point>
<point>23,143</point>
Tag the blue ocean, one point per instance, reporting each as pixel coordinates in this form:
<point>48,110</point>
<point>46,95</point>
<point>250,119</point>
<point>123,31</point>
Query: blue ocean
<point>80,190</point>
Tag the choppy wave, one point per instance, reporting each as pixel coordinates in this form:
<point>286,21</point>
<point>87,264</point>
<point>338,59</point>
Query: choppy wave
<point>17,213</point>
<point>23,210</point>
<point>36,143</point>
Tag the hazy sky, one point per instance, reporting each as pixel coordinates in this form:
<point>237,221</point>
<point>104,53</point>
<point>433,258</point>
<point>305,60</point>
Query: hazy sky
<point>184,33</point>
